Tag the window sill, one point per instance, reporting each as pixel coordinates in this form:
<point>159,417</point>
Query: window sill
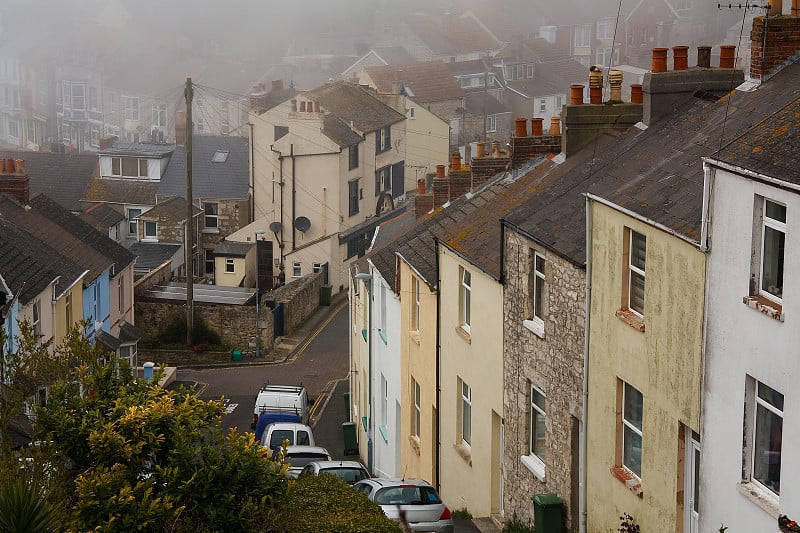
<point>415,444</point>
<point>631,481</point>
<point>535,465</point>
<point>764,306</point>
<point>210,230</point>
<point>150,239</point>
<point>536,327</point>
<point>464,334</point>
<point>630,318</point>
<point>764,499</point>
<point>464,452</point>
<point>415,337</point>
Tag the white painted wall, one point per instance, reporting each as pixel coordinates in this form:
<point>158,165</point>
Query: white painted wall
<point>742,342</point>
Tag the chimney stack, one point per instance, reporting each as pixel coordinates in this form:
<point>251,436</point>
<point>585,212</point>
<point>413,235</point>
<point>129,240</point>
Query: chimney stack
<point>277,85</point>
<point>397,83</point>
<point>107,141</point>
<point>773,43</point>
<point>14,180</point>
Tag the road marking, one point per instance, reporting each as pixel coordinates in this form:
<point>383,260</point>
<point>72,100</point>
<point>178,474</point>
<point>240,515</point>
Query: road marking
<point>314,335</point>
<point>231,407</point>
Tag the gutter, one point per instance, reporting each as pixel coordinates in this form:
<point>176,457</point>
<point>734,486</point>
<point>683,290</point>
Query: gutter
<point>62,293</point>
<point>707,176</point>
<point>437,448</point>
<point>750,174</point>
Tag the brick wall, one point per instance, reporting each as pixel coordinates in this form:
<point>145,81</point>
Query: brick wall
<point>783,42</point>
<point>523,149</point>
<point>554,364</point>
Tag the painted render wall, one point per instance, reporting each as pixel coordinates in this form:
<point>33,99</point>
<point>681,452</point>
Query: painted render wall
<point>742,342</point>
<point>359,362</point>
<point>663,363</point>
<point>121,311</point>
<point>386,363</point>
<point>470,475</point>
<point>552,363</point>
<point>418,362</point>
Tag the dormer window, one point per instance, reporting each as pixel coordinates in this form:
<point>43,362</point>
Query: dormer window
<point>128,167</point>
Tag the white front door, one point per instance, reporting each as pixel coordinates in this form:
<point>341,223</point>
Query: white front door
<point>692,488</point>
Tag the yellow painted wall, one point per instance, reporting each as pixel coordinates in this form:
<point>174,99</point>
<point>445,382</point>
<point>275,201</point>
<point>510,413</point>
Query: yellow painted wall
<point>60,311</point>
<point>663,363</point>
<point>468,478</point>
<point>241,267</point>
<point>417,360</point>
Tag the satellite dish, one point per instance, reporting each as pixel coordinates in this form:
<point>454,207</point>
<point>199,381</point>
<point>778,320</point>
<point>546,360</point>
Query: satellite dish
<point>275,227</point>
<point>302,224</point>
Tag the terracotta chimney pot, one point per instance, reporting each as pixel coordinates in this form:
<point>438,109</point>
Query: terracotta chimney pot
<point>596,95</point>
<point>555,125</point>
<point>680,57</point>
<point>9,166</point>
<point>637,97</point>
<point>480,149</point>
<point>495,149</point>
<point>704,56</point>
<point>615,83</point>
<point>20,164</point>
<point>536,127</point>
<point>576,94</point>
<point>421,186</point>
<point>596,76</point>
<point>520,127</point>
<point>659,60</point>
<point>727,56</point>
<point>455,161</point>
<point>440,171</point>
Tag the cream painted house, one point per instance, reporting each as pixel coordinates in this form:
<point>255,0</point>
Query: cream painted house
<point>326,164</point>
<point>645,358</point>
<point>471,383</point>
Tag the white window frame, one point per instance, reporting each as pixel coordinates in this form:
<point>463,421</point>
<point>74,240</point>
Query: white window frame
<point>634,270</point>
<point>491,124</point>
<point>780,227</point>
<point>150,230</point>
<point>626,424</point>
<point>537,292</point>
<point>583,36</point>
<point>37,318</point>
<point>131,108</point>
<point>133,221</point>
<point>754,403</point>
<point>605,29</point>
<point>120,294</point>
<point>316,267</point>
<point>211,216</point>
<point>542,105</point>
<point>417,415</point>
<point>230,265</point>
<point>415,284</point>
<point>160,115</point>
<point>297,269</point>
<point>466,414</point>
<point>465,300</point>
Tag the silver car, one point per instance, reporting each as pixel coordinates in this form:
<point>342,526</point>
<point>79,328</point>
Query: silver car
<point>350,471</point>
<point>415,500</point>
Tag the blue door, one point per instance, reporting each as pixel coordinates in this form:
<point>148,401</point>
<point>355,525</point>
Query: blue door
<point>277,316</point>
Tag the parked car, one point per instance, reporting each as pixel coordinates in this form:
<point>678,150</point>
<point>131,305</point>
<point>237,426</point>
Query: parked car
<point>416,499</point>
<point>350,471</point>
<point>265,419</point>
<point>297,457</point>
<point>294,432</point>
<point>281,399</point>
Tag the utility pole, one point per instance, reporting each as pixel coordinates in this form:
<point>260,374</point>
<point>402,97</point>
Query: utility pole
<point>485,92</point>
<point>189,239</point>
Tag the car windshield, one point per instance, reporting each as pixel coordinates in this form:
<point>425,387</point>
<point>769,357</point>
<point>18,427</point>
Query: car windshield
<point>351,475</point>
<point>407,495</point>
<point>279,435</point>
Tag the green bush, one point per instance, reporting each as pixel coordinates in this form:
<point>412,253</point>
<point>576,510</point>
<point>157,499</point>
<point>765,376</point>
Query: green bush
<point>175,332</point>
<point>462,514</point>
<point>515,526</point>
<point>326,504</point>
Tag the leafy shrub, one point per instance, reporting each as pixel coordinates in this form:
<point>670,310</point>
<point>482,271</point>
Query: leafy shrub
<point>175,332</point>
<point>462,514</point>
<point>515,526</point>
<point>326,504</point>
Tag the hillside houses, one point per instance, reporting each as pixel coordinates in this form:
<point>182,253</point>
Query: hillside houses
<point>618,351</point>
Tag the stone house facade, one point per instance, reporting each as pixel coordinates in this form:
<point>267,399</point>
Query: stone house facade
<point>544,356</point>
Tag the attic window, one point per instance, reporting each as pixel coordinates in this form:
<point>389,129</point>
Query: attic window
<point>220,156</point>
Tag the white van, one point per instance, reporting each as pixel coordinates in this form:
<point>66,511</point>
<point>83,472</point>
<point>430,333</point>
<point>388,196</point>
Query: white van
<point>282,399</point>
<point>296,434</point>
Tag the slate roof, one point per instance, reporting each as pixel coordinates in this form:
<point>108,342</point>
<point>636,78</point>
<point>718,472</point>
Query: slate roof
<point>62,177</point>
<point>772,147</point>
<point>469,225</point>
<point>233,248</point>
<point>229,180</point>
<point>169,210</point>
<point>28,265</point>
<point>150,255</point>
<point>563,72</point>
<point>138,149</point>
<point>353,103</point>
<point>394,55</point>
<point>339,132</point>
<point>102,216</point>
<point>121,191</point>
<point>430,82</point>
<point>656,173</point>
<point>476,102</point>
<point>49,227</point>
<point>537,86</point>
<point>98,241</point>
<point>450,35</point>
